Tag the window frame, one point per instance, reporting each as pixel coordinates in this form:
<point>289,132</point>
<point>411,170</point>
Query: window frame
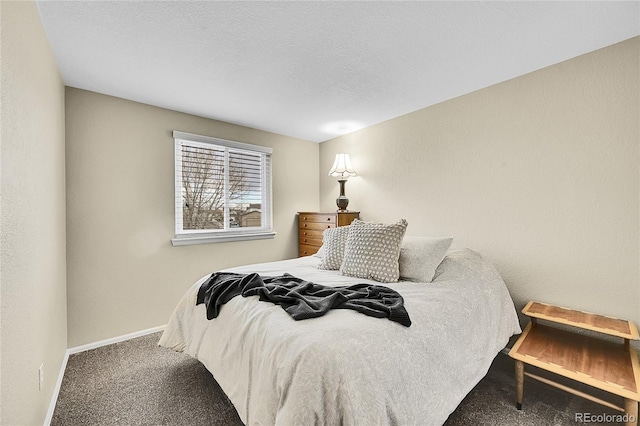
<point>204,236</point>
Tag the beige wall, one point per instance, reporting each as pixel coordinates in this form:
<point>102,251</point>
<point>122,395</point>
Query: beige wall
<point>123,273</point>
<point>33,295</point>
<point>540,173</point>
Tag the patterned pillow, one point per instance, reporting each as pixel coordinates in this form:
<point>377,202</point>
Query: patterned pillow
<point>372,250</point>
<point>333,242</point>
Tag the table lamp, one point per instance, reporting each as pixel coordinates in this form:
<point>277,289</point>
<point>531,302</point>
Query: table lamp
<point>342,169</point>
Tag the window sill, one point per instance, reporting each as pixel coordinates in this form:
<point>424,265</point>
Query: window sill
<point>187,240</point>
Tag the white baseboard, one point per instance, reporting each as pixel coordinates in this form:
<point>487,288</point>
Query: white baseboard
<point>117,339</point>
<point>89,346</point>
<point>56,390</point>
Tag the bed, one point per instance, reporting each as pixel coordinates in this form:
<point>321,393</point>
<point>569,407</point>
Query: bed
<point>346,367</point>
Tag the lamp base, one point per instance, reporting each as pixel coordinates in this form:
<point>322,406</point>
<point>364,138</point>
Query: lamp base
<point>342,203</point>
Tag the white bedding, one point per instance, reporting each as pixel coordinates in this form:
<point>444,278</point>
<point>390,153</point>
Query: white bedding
<point>346,367</point>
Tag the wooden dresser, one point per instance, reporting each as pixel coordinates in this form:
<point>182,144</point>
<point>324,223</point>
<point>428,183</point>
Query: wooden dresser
<point>311,225</point>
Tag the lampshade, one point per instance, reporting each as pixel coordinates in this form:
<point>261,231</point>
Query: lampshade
<point>342,167</point>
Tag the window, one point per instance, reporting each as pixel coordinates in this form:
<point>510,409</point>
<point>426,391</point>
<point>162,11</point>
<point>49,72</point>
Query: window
<point>223,190</point>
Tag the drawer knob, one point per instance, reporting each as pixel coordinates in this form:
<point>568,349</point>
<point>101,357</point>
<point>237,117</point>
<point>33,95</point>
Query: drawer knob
<point>305,225</point>
<point>328,218</point>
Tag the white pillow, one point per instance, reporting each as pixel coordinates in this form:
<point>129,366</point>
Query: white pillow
<point>420,256</point>
<point>372,250</point>
<point>333,243</point>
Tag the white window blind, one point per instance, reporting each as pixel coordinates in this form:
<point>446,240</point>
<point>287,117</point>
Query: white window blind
<point>222,190</point>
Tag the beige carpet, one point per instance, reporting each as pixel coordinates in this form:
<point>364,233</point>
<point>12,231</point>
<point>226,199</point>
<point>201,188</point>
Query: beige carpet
<point>138,383</point>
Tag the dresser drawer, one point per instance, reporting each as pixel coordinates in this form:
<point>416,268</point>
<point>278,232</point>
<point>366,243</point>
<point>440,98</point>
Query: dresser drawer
<point>317,217</point>
<point>317,226</point>
<point>317,242</point>
<point>310,233</point>
<point>306,250</point>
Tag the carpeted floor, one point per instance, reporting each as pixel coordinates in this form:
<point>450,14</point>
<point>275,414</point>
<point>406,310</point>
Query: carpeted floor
<point>138,383</point>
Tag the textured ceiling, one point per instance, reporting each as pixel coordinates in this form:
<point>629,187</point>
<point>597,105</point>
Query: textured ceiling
<point>314,70</point>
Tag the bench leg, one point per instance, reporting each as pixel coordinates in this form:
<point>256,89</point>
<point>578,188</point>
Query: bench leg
<point>631,408</point>
<point>520,384</point>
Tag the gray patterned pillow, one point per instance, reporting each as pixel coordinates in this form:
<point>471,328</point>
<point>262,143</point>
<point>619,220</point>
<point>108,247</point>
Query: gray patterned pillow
<point>372,250</point>
<point>333,242</point>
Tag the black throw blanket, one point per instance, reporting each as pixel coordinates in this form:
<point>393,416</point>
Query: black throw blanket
<point>302,299</point>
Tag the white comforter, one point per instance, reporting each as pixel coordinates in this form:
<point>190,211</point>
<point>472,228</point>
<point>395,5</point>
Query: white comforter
<point>346,367</point>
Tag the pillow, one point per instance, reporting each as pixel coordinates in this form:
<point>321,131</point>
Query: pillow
<point>420,256</point>
<point>333,242</point>
<point>372,250</point>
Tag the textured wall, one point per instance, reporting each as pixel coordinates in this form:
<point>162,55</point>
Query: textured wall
<point>123,273</point>
<point>540,173</point>
<point>33,295</point>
